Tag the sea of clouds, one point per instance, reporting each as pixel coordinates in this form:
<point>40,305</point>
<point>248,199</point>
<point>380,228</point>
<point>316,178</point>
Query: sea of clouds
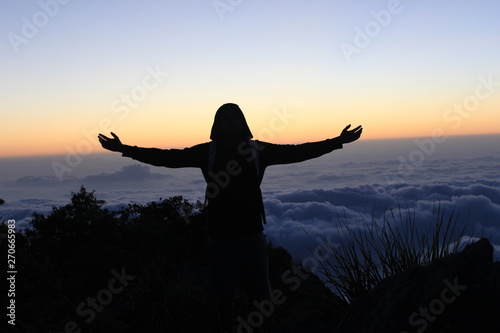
<point>358,184</point>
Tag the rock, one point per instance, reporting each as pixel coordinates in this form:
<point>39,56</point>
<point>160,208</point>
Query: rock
<point>457,293</point>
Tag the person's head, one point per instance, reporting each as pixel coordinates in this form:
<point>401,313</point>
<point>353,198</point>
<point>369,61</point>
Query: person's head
<point>230,124</point>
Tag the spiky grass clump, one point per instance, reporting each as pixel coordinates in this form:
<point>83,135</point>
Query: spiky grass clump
<point>372,250</point>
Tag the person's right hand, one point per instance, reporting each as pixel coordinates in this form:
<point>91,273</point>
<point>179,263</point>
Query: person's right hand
<point>349,136</point>
<point>111,144</point>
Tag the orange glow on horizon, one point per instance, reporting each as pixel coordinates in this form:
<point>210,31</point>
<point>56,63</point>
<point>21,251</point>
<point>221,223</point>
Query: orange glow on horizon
<point>181,144</point>
<point>164,128</point>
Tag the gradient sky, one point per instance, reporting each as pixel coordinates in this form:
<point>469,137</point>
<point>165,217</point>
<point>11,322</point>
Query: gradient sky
<point>300,70</point>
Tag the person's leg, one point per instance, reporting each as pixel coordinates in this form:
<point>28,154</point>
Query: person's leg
<point>255,269</point>
<point>255,266</point>
<point>224,275</point>
<point>225,313</point>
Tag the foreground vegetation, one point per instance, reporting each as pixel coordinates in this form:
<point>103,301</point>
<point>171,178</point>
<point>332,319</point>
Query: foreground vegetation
<point>142,268</point>
<point>374,250</point>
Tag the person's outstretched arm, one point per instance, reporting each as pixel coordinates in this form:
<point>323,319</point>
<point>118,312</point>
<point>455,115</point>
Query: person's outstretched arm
<point>284,154</point>
<point>172,158</point>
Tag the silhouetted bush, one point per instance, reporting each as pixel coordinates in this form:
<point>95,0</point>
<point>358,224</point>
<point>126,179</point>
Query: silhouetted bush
<point>66,261</point>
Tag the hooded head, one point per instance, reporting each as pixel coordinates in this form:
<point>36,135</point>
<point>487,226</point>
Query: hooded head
<point>230,124</point>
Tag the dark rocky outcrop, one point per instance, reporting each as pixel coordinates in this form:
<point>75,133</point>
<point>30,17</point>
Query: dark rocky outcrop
<point>457,293</point>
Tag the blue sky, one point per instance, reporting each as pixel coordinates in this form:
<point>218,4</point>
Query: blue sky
<point>64,76</point>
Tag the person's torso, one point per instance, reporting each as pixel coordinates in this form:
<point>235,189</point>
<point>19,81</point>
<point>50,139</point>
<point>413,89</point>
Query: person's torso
<point>233,193</point>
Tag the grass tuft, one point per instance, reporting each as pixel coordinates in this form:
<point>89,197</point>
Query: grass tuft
<point>373,250</point>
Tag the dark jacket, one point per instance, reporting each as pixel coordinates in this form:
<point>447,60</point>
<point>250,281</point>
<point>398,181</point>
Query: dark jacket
<point>235,206</point>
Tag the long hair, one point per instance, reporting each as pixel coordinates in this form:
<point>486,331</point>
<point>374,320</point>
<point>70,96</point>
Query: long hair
<point>217,134</point>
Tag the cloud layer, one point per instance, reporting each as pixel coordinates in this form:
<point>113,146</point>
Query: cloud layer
<point>474,207</point>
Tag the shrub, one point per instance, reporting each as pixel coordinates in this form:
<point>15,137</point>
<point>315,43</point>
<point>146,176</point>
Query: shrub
<point>67,257</point>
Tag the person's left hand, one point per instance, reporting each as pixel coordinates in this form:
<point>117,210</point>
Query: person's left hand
<point>113,144</point>
<point>349,136</point>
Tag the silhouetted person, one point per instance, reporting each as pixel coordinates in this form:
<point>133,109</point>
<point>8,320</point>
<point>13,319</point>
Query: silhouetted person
<point>233,167</point>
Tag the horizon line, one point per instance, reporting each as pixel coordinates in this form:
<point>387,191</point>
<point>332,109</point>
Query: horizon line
<point>368,139</point>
